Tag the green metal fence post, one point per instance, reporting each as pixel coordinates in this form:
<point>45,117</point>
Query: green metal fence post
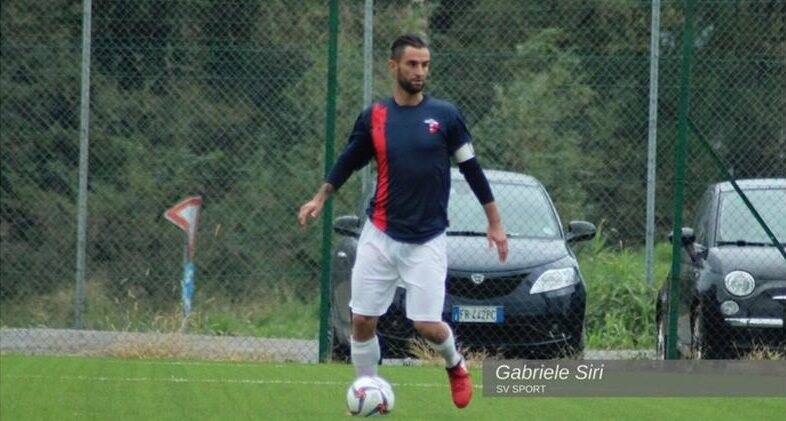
<point>84,145</point>
<point>679,180</point>
<point>327,215</point>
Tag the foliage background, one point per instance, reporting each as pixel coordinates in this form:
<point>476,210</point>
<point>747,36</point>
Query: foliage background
<point>226,100</point>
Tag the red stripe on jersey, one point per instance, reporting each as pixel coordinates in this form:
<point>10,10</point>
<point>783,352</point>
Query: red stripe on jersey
<point>379,115</point>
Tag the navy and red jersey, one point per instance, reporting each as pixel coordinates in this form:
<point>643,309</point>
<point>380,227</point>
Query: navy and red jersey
<point>412,146</point>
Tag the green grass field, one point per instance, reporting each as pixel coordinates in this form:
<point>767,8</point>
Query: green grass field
<point>36,387</point>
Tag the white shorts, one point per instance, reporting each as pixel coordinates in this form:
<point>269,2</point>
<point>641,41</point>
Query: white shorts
<point>383,263</point>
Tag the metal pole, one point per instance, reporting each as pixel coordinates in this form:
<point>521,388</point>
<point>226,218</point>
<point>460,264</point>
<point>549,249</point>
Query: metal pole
<point>327,213</point>
<point>84,142</point>
<point>652,140</point>
<point>679,179</point>
<point>368,81</point>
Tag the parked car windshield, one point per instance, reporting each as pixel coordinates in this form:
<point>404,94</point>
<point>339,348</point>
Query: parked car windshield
<point>737,224</point>
<point>525,210</point>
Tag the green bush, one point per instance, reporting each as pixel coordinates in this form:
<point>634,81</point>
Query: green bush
<point>620,304</point>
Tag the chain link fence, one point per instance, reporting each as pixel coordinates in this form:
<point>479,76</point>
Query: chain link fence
<point>557,92</point>
<point>227,100</point>
<point>727,290</point>
<point>224,100</point>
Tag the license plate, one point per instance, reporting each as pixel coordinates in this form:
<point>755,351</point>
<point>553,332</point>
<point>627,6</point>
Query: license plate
<point>478,314</point>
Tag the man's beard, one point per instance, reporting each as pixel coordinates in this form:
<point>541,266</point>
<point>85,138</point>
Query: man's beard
<point>409,87</point>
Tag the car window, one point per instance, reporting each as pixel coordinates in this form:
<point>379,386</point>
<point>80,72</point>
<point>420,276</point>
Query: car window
<point>737,223</point>
<point>525,210</point>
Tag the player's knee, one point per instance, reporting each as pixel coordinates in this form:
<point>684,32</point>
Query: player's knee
<point>363,327</point>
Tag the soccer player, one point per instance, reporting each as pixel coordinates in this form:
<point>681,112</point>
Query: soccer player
<point>412,137</point>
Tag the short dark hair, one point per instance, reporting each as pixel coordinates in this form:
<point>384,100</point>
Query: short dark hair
<point>404,41</point>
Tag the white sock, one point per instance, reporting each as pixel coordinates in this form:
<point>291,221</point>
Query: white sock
<point>447,349</point>
<point>365,356</point>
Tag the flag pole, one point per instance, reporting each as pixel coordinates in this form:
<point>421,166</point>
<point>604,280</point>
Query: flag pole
<point>187,285</point>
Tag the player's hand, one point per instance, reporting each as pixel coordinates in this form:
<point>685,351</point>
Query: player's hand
<point>498,238</point>
<point>310,209</point>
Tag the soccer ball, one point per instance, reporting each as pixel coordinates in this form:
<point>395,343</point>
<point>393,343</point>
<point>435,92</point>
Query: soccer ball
<point>370,396</point>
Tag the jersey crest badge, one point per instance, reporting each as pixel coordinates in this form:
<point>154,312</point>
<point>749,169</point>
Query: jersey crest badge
<point>433,125</point>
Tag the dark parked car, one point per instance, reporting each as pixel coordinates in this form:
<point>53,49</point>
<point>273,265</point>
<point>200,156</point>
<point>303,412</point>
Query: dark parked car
<point>732,281</point>
<point>532,303</point>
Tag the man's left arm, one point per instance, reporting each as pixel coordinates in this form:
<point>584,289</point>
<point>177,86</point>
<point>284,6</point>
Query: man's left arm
<point>470,168</point>
<point>460,145</point>
<point>496,232</point>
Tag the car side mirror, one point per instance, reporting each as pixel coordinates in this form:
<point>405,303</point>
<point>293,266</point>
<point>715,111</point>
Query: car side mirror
<point>700,250</point>
<point>347,225</point>
<point>688,237</point>
<point>580,231</point>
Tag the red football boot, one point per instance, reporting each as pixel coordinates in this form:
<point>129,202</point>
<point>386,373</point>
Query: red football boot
<point>460,384</point>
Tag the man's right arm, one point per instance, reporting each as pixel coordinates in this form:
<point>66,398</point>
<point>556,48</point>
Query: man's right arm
<point>313,207</point>
<point>356,155</point>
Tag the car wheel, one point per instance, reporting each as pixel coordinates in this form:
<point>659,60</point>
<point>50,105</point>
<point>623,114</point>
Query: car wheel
<point>705,345</point>
<point>661,344</point>
<point>339,351</point>
<point>697,346</point>
<point>395,348</point>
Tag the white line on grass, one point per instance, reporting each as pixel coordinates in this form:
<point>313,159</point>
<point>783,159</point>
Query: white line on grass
<point>219,381</point>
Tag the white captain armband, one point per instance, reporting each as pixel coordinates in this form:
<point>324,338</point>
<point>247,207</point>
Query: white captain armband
<point>464,153</point>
